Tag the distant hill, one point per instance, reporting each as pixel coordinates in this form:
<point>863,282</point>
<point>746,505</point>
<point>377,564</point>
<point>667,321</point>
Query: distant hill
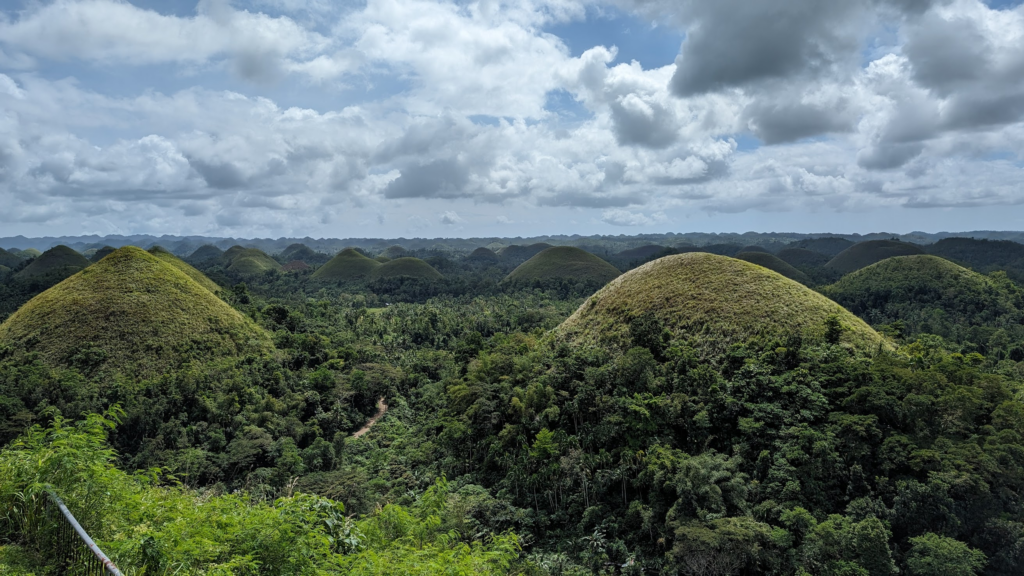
<point>298,252</point>
<point>205,254</point>
<point>483,256</point>
<point>515,253</point>
<point>867,253</point>
<point>774,264</point>
<point>409,267</point>
<point>295,266</point>
<point>566,262</point>
<point>59,261</point>
<point>101,253</point>
<point>183,267</point>
<point>247,261</point>
<point>392,252</point>
<point>929,294</point>
<point>347,266</point>
<point>830,246</point>
<point>802,257</point>
<point>27,253</point>
<point>719,249</point>
<point>982,255</point>
<point>10,260</point>
<point>754,248</point>
<point>714,300</point>
<point>382,259</point>
<point>132,313</point>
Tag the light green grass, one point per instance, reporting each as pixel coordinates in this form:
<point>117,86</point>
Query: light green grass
<point>563,262</point>
<point>867,253</point>
<point>180,264</point>
<point>249,261</point>
<point>133,313</point>
<point>410,267</point>
<point>347,266</point>
<point>715,299</point>
<point>206,252</point>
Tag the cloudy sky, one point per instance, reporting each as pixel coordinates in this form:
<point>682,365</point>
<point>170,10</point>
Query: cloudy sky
<point>439,118</point>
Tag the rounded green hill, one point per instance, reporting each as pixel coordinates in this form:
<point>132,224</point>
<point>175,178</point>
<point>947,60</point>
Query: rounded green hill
<point>517,253</point>
<point>716,299</point>
<point>249,261</point>
<point>802,257</point>
<point>30,253</point>
<point>409,267</point>
<point>483,256</point>
<point>206,253</point>
<point>867,253</point>
<point>57,261</point>
<point>565,262</point>
<point>9,260</point>
<point>394,252</point>
<point>773,263</point>
<point>349,265</point>
<point>914,288</point>
<point>298,252</point>
<point>180,264</point>
<point>101,253</point>
<point>131,313</point>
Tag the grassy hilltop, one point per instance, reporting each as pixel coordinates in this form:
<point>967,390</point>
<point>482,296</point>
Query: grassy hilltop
<point>867,253</point>
<point>57,261</point>
<point>131,312</point>
<point>405,266</point>
<point>775,264</point>
<point>563,262</point>
<point>718,299</point>
<point>347,266</point>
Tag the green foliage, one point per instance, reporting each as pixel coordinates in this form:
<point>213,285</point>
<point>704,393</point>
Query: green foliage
<point>563,262</point>
<point>935,555</point>
<point>867,253</point>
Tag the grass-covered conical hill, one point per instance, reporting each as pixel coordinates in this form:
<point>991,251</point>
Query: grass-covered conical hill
<point>206,253</point>
<point>483,255</point>
<point>9,260</point>
<point>928,293</point>
<point>57,261</point>
<point>249,261</point>
<point>517,253</point>
<point>773,263</point>
<point>182,266</point>
<point>563,262</point>
<point>802,258</point>
<point>298,252</point>
<point>101,253</point>
<point>394,252</point>
<point>131,313</point>
<point>408,267</point>
<point>867,253</point>
<point>712,302</point>
<point>349,265</point>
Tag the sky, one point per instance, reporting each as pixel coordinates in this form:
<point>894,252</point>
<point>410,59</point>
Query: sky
<point>427,118</point>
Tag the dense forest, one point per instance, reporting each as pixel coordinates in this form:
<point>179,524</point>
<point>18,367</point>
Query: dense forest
<point>813,407</point>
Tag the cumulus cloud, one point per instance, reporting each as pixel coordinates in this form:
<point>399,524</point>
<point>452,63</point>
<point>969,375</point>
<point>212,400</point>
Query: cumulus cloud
<point>405,105</point>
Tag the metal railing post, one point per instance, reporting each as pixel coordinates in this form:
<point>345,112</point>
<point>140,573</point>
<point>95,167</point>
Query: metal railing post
<point>69,551</point>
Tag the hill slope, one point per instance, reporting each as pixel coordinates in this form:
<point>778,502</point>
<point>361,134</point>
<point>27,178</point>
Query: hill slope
<point>802,257</point>
<point>249,261</point>
<point>517,253</point>
<point>828,246</point>
<point>9,260</point>
<point>57,261</point>
<point>101,253</point>
<point>775,264</point>
<point>929,294</point>
<point>206,253</point>
<point>411,267</point>
<point>715,299</point>
<point>483,256</point>
<point>564,262</point>
<point>347,266</point>
<point>867,253</point>
<point>183,267</point>
<point>133,313</point>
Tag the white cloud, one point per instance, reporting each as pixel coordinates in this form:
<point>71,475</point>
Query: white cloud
<point>450,218</point>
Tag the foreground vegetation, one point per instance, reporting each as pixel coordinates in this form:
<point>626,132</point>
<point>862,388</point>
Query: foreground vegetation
<point>699,415</point>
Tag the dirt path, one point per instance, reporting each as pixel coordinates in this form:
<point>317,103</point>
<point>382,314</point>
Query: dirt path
<point>381,409</point>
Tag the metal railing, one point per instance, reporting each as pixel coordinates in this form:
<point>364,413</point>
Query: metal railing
<point>76,553</point>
